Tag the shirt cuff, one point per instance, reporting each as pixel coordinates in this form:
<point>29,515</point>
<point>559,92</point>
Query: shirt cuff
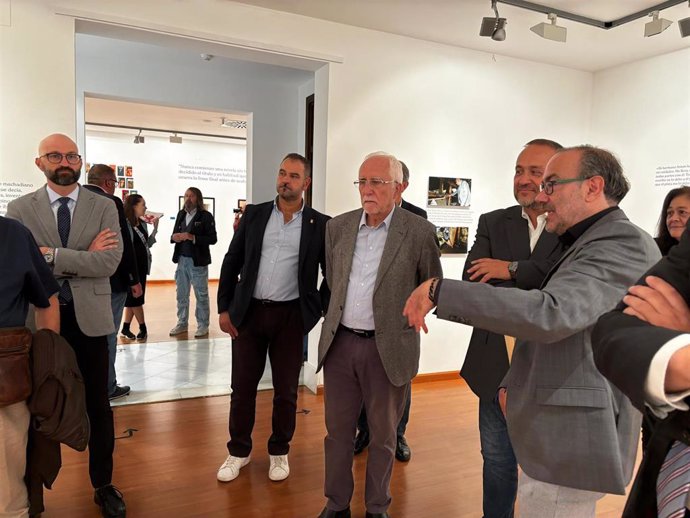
<point>656,398</point>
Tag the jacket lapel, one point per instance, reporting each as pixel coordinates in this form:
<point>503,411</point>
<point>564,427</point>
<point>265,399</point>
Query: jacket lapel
<point>46,218</point>
<point>306,235</point>
<point>394,240</point>
<point>518,234</point>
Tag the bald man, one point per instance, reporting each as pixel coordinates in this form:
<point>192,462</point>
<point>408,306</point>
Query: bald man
<point>78,234</point>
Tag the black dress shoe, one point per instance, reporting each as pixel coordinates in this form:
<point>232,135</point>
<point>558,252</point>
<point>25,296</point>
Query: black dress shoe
<point>110,500</point>
<point>402,450</point>
<point>361,441</point>
<point>377,515</point>
<point>327,513</point>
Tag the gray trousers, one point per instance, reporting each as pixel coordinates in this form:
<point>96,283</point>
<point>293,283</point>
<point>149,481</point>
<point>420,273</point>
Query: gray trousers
<point>354,374</point>
<point>538,499</point>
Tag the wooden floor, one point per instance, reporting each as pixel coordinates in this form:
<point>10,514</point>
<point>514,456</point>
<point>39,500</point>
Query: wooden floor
<point>168,468</point>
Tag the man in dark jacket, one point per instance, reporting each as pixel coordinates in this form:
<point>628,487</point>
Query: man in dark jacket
<point>102,181</point>
<point>194,232</point>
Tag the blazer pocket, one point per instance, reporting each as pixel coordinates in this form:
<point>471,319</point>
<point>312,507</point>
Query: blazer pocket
<point>573,396</point>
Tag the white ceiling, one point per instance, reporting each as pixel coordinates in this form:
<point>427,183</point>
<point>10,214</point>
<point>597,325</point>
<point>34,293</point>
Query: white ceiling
<point>456,22</point>
<point>107,111</point>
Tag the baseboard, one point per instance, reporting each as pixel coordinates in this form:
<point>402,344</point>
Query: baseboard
<point>164,282</point>
<point>419,378</point>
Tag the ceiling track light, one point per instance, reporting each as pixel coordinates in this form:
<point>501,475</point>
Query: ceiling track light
<point>684,26</point>
<point>657,25</point>
<point>233,123</point>
<point>174,139</point>
<point>551,31</point>
<point>494,27</point>
<point>139,138</point>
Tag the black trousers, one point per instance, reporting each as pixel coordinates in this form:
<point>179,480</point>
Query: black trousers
<point>92,357</point>
<point>276,329</point>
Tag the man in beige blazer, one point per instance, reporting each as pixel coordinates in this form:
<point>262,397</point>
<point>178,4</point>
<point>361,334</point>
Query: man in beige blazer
<point>77,232</point>
<point>375,257</point>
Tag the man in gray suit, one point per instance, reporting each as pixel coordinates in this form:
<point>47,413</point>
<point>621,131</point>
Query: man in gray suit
<point>375,257</point>
<point>76,232</point>
<point>574,434</point>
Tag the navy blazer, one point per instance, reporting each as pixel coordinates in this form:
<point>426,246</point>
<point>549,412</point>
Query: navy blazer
<point>241,265</point>
<point>503,234</point>
<point>414,209</point>
<point>204,230</point>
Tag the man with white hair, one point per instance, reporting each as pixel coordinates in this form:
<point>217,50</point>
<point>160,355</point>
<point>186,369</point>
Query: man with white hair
<point>375,257</point>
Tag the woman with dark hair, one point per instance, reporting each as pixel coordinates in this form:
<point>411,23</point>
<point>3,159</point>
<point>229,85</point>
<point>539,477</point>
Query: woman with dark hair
<point>135,209</point>
<point>674,217</point>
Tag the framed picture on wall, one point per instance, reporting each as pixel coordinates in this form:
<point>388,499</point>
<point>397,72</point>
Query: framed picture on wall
<point>130,183</point>
<point>128,170</point>
<point>209,204</point>
<point>124,195</point>
<point>452,240</point>
<point>120,171</point>
<point>120,183</point>
<point>449,192</point>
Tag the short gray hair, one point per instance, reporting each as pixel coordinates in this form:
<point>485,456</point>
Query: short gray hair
<point>394,166</point>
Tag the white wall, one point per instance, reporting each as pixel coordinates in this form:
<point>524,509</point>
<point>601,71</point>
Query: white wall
<point>156,166</point>
<point>641,111</point>
<point>441,109</point>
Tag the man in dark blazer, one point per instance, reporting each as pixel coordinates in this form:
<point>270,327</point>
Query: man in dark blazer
<point>510,250</point>
<point>268,300</point>
<point>194,232</point>
<point>78,234</point>
<point>575,436</point>
<point>402,449</point>
<point>643,347</point>
<point>102,181</point>
<point>375,257</point>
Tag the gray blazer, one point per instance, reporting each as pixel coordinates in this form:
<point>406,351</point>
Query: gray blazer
<point>88,272</point>
<point>567,424</point>
<point>410,256</point>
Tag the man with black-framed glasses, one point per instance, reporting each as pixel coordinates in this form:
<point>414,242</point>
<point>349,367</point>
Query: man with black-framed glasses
<point>574,434</point>
<point>77,233</point>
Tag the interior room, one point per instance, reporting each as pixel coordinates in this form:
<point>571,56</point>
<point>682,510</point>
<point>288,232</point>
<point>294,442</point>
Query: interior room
<point>415,79</point>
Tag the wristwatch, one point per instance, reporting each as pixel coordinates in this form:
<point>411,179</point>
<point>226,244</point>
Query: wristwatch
<point>512,269</point>
<point>49,256</point>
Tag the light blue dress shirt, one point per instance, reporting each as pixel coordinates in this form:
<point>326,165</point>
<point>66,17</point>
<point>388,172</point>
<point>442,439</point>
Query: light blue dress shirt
<point>278,268</point>
<point>54,199</point>
<point>358,312</point>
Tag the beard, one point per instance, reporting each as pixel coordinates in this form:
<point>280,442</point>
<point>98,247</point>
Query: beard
<point>63,179</point>
<point>189,205</point>
<point>287,194</point>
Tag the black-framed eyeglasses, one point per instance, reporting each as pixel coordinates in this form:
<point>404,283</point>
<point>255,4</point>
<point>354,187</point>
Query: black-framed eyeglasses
<point>373,182</point>
<point>547,187</point>
<point>56,158</point>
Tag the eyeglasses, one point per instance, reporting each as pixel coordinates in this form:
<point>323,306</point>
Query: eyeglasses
<point>56,158</point>
<point>373,182</point>
<point>547,187</point>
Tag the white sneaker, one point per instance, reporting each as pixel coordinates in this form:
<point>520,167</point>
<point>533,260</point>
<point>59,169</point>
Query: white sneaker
<point>279,469</point>
<point>231,468</point>
<point>178,330</point>
<point>202,331</point>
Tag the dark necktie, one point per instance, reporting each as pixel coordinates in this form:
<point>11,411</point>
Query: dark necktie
<point>673,482</point>
<point>63,223</point>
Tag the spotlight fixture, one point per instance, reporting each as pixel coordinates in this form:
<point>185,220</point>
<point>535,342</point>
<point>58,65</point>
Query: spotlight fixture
<point>657,25</point>
<point>174,139</point>
<point>139,138</point>
<point>233,123</point>
<point>494,27</point>
<point>207,57</point>
<point>684,26</point>
<point>550,31</point>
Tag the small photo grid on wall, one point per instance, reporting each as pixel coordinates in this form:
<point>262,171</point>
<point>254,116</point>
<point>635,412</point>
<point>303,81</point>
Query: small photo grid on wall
<point>452,240</point>
<point>124,175</point>
<point>449,192</point>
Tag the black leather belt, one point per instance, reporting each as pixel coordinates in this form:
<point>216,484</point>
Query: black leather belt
<point>362,333</point>
<point>266,302</point>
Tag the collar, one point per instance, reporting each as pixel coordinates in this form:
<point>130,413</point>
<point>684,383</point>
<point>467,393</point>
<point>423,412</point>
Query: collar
<point>277,209</point>
<point>386,223</point>
<point>190,213</point>
<point>573,233</point>
<point>540,218</point>
<point>53,196</point>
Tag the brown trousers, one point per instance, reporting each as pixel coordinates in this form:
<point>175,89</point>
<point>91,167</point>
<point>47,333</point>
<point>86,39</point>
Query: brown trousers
<point>353,373</point>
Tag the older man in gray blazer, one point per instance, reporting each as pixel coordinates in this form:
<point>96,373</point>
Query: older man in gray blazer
<point>77,232</point>
<point>574,434</point>
<point>375,257</point>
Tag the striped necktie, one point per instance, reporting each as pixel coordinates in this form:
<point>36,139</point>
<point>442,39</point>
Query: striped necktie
<point>673,482</point>
<point>64,221</point>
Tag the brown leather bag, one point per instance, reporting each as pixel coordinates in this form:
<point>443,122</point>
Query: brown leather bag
<point>15,370</point>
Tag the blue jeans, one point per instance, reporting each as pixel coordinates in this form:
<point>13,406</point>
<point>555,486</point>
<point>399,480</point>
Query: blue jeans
<point>187,275</point>
<point>117,301</point>
<point>500,474</point>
